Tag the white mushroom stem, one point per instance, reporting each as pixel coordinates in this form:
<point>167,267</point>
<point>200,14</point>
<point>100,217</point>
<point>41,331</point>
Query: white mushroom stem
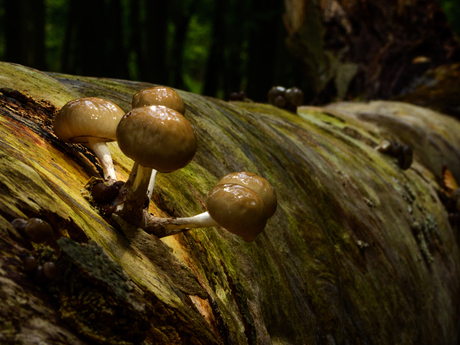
<point>162,227</point>
<point>151,183</point>
<point>133,175</point>
<point>102,152</point>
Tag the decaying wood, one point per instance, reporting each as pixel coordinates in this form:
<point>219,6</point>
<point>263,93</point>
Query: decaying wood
<point>359,251</point>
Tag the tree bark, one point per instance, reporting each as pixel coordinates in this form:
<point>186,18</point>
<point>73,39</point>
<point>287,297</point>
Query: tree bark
<point>376,49</point>
<point>358,251</point>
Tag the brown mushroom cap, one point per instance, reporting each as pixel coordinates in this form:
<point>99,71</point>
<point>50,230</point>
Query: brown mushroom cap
<point>159,95</point>
<point>238,209</point>
<point>85,118</point>
<point>258,184</point>
<point>295,96</point>
<point>157,137</point>
<point>274,92</point>
<point>38,230</point>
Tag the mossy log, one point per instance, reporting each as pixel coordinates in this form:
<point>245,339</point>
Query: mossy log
<point>359,251</point>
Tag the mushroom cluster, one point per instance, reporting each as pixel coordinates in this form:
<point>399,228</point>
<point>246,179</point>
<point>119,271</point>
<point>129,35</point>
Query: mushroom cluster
<point>288,99</point>
<point>403,153</point>
<point>38,231</point>
<point>237,96</point>
<point>165,141</point>
<point>158,138</point>
<point>35,229</point>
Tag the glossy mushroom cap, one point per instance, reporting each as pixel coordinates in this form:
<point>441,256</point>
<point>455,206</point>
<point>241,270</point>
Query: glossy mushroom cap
<point>85,118</point>
<point>256,183</point>
<point>157,137</point>
<point>295,96</point>
<point>238,209</point>
<point>274,92</point>
<point>159,95</point>
<point>38,230</point>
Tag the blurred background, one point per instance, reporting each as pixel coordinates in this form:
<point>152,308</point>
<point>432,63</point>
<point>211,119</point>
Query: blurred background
<point>331,49</point>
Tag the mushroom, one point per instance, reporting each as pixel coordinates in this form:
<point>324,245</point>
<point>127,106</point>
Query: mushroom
<point>38,230</point>
<point>156,138</point>
<point>50,270</point>
<point>159,95</point>
<point>288,99</point>
<point>92,122</point>
<point>274,92</point>
<point>29,264</point>
<point>294,96</point>
<point>237,96</point>
<point>241,207</point>
<point>405,157</point>
<point>258,184</point>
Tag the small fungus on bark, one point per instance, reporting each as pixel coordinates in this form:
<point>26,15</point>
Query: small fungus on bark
<point>29,264</point>
<point>92,122</point>
<point>403,153</point>
<point>284,98</point>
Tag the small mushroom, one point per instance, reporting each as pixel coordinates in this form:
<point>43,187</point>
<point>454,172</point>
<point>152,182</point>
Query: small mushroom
<point>159,95</point>
<point>294,96</point>
<point>274,92</point>
<point>156,138</point>
<point>237,96</point>
<point>50,270</point>
<point>288,99</point>
<point>405,157</point>
<point>237,207</point>
<point>395,148</point>
<point>92,122</point>
<point>19,224</point>
<point>38,230</point>
<point>29,264</point>
<point>280,102</point>
<point>256,183</point>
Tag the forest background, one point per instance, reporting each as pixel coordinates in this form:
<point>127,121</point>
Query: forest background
<point>208,47</point>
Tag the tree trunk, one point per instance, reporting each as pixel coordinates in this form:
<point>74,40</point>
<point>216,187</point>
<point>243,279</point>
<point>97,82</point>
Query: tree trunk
<point>372,48</point>
<point>25,32</point>
<point>359,250</point>
<point>154,68</point>
<point>214,63</point>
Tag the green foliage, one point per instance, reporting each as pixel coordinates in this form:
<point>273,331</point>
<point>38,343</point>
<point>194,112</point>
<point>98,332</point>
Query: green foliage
<point>56,15</point>
<point>196,50</point>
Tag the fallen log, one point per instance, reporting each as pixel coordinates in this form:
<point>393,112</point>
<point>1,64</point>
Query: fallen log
<point>359,250</point>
